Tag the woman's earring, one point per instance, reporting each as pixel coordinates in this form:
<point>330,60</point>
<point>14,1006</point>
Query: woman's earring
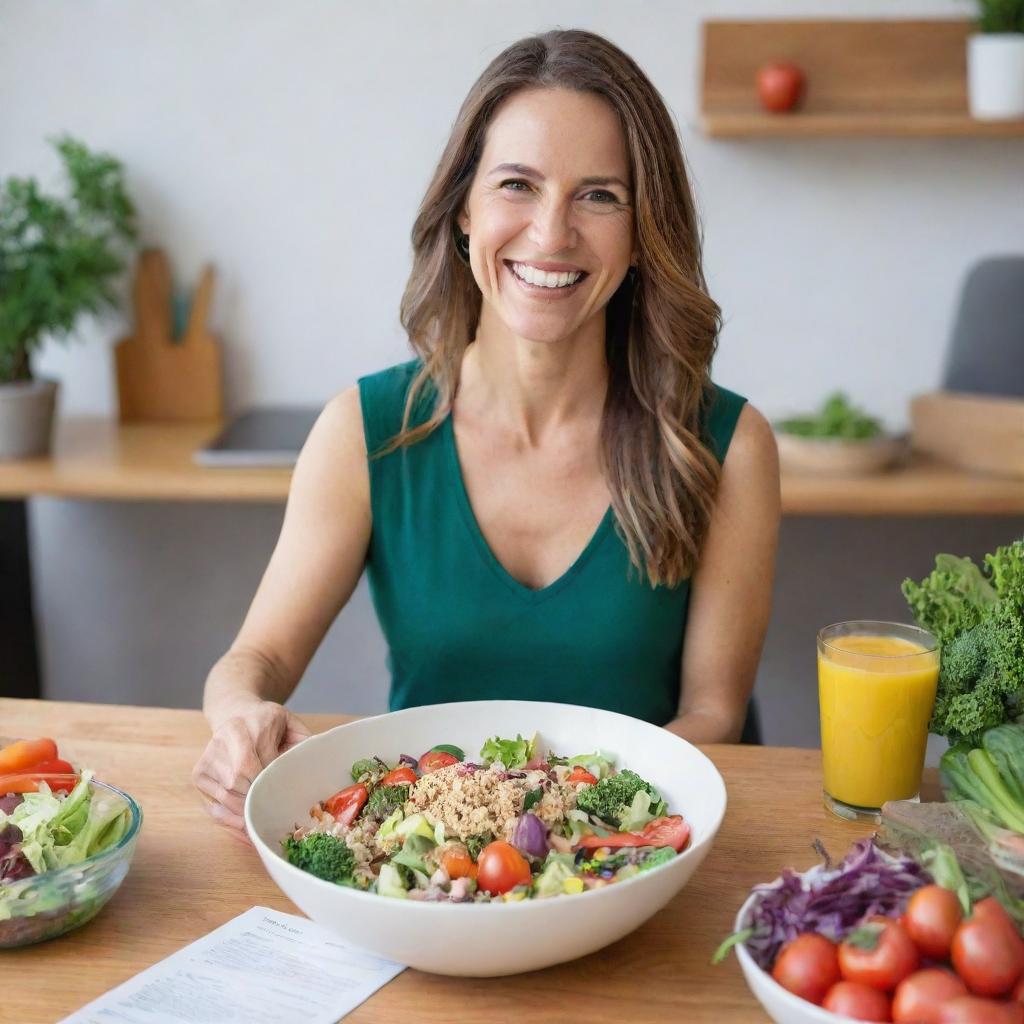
<point>462,246</point>
<point>633,274</point>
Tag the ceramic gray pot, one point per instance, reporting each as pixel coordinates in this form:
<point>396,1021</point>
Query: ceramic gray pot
<point>26,418</point>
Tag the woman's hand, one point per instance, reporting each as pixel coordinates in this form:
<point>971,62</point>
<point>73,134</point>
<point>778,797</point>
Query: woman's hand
<point>244,741</point>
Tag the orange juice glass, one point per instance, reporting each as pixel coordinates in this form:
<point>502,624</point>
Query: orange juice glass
<point>876,688</point>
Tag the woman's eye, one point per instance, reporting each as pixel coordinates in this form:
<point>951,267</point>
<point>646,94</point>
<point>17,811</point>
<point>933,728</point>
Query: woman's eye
<point>514,181</point>
<point>606,197</point>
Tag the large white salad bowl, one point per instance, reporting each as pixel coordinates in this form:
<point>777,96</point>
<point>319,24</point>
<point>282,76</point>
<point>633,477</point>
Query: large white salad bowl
<point>484,939</point>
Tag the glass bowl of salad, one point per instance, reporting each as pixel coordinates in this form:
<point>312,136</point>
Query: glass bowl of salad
<point>64,850</point>
<point>543,831</point>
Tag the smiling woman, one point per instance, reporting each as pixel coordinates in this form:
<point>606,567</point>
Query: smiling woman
<point>541,499</point>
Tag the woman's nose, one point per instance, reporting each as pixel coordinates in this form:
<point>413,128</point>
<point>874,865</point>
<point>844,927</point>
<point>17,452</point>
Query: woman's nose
<point>552,230</point>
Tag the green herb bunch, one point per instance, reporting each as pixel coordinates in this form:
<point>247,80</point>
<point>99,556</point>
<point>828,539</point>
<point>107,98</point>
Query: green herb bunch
<point>59,257</point>
<point>837,418</point>
<point>1001,15</point>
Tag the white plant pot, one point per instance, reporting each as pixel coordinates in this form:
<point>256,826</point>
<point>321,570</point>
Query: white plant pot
<point>995,75</point>
<point>26,418</point>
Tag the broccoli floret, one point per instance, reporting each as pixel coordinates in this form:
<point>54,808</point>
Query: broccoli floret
<point>963,660</point>
<point>323,855</point>
<point>968,715</point>
<point>1006,642</point>
<point>610,799</point>
<point>385,800</point>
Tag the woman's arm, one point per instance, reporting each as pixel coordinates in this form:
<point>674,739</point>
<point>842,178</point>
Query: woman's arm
<point>315,566</point>
<point>731,589</point>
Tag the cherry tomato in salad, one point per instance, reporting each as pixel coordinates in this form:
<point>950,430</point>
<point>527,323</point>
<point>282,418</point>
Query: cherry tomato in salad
<point>347,803</point>
<point>501,867</point>
<point>671,831</point>
<point>580,774</point>
<point>403,776</point>
<point>22,754</point>
<point>972,1010</point>
<point>807,966</point>
<point>458,863</point>
<point>920,997</point>
<point>880,954</point>
<point>931,920</point>
<point>433,760</point>
<point>990,909</point>
<point>861,1002</point>
<point>986,955</point>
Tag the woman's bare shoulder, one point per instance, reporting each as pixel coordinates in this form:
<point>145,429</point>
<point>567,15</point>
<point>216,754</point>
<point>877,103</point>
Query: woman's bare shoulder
<point>333,459</point>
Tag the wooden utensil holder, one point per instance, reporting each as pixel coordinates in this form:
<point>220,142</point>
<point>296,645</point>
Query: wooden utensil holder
<point>158,377</point>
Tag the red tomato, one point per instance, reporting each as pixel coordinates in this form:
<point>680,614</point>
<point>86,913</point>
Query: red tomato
<point>990,909</point>
<point>671,831</point>
<point>403,776</point>
<point>21,754</point>
<point>931,920</point>
<point>986,955</point>
<point>432,760</point>
<point>807,966</point>
<point>861,1002</point>
<point>1018,990</point>
<point>347,803</point>
<point>580,774</point>
<point>779,86</point>
<point>920,998</point>
<point>880,954</point>
<point>972,1010</point>
<point>501,867</point>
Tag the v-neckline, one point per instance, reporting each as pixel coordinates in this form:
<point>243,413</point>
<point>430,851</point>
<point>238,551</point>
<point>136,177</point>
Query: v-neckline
<point>484,548</point>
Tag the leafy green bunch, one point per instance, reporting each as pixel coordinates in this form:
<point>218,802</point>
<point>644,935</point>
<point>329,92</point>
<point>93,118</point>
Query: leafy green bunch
<point>837,418</point>
<point>59,257</point>
<point>978,618</point>
<point>1001,15</point>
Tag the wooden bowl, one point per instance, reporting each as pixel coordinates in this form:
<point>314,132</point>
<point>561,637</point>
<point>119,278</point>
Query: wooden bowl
<point>837,456</point>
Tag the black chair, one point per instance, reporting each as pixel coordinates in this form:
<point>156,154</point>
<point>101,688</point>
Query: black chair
<point>986,352</point>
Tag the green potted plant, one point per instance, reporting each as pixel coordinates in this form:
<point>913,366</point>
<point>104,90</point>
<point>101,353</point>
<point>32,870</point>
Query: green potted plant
<point>995,61</point>
<point>59,258</point>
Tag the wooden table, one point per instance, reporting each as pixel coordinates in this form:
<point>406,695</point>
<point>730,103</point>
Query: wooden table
<point>189,876</point>
<point>101,459</point>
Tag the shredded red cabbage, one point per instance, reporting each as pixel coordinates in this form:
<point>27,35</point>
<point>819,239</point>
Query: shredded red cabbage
<point>830,902</point>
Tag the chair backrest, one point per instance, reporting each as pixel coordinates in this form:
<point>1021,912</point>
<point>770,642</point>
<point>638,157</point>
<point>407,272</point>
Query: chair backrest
<point>986,352</point>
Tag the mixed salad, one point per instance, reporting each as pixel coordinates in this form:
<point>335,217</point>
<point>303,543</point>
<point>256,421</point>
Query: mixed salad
<point>50,817</point>
<point>515,824</point>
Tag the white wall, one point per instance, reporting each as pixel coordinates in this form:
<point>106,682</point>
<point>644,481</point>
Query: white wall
<point>290,144</point>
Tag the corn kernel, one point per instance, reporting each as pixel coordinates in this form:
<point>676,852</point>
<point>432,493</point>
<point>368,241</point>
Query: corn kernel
<point>514,897</point>
<point>572,886</point>
<point>600,854</point>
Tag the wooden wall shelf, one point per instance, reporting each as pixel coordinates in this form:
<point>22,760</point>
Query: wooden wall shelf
<point>901,78</point>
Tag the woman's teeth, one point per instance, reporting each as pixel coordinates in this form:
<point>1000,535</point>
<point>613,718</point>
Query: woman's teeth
<point>544,278</point>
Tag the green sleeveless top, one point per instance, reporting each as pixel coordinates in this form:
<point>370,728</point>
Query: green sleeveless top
<point>459,627</point>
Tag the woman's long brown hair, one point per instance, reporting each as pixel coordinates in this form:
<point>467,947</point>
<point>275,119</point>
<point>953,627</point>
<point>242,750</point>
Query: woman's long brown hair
<point>661,331</point>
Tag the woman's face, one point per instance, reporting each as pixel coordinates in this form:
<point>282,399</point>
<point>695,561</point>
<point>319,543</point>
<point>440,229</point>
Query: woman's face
<point>550,212</point>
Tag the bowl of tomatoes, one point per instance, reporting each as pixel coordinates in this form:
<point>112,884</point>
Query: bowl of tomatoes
<point>927,961</point>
